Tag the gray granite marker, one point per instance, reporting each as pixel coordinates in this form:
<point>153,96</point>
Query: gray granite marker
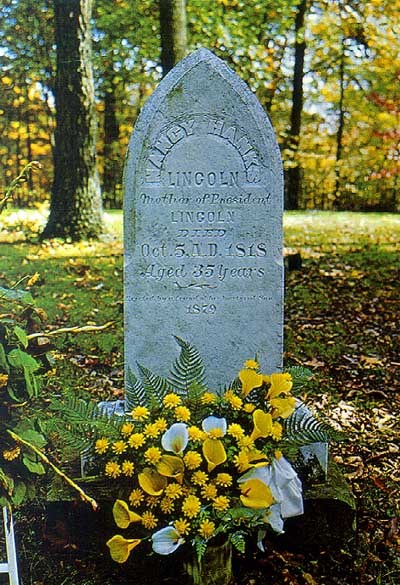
<point>203,225</point>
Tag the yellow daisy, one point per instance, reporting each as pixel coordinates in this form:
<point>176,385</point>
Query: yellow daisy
<point>182,526</point>
<point>149,520</point>
<point>101,445</point>
<point>119,447</point>
<point>171,400</point>
<point>140,413</point>
<point>136,440</point>
<point>152,455</point>
<point>192,459</point>
<point>206,528</point>
<point>191,506</point>
<point>182,413</point>
<point>136,497</point>
<point>221,503</point>
<point>112,469</point>
<point>199,478</point>
<point>128,468</point>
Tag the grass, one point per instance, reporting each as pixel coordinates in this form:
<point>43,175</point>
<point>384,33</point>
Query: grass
<point>341,320</point>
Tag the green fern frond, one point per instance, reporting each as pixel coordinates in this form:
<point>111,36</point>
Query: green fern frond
<point>200,546</point>
<point>135,394</point>
<point>188,368</point>
<point>238,540</point>
<point>155,387</point>
<point>300,376</point>
<point>302,428</point>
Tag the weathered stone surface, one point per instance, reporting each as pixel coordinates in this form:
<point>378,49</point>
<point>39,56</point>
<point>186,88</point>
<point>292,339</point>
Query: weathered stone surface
<point>203,225</point>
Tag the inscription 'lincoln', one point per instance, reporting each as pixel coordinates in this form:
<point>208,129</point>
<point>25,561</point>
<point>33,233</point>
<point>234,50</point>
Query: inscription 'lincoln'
<point>198,178</point>
<point>202,125</point>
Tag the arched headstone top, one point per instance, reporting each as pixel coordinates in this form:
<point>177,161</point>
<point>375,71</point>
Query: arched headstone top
<point>203,223</point>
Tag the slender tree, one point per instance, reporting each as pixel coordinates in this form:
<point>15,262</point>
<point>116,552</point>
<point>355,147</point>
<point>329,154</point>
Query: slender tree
<point>173,32</point>
<point>293,178</point>
<point>76,208</point>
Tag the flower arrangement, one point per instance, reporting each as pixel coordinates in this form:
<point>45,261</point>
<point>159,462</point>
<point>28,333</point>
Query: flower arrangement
<point>196,464</point>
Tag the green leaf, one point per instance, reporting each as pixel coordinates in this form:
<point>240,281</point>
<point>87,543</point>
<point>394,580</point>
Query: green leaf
<point>239,541</point>
<point>156,387</point>
<point>21,336</point>
<point>3,359</point>
<point>21,360</point>
<point>11,294</point>
<point>34,466</point>
<point>200,546</point>
<point>19,493</point>
<point>33,437</point>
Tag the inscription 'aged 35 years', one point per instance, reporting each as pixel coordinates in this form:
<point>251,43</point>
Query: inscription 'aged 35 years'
<point>203,216</point>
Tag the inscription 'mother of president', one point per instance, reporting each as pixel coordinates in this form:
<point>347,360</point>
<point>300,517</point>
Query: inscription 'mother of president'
<point>203,224</point>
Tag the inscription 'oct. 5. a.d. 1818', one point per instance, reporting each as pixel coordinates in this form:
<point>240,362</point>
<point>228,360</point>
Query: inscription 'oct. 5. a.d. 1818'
<point>203,212</point>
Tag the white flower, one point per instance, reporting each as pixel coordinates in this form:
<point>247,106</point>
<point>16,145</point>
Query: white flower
<point>212,423</point>
<point>284,483</point>
<point>166,540</point>
<point>176,438</point>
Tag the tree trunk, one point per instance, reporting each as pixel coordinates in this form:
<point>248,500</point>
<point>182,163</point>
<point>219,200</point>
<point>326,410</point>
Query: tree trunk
<point>293,175</point>
<point>340,129</point>
<point>173,32</point>
<point>112,160</point>
<point>76,208</point>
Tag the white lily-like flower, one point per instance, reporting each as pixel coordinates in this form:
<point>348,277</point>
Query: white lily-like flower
<point>176,438</point>
<point>166,540</point>
<point>215,425</point>
<point>284,483</point>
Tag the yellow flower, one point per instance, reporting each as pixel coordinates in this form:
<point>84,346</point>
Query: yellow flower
<point>280,384</point>
<point>123,516</point>
<point>251,365</point>
<point>11,454</point>
<point>152,455</point>
<point>128,468</point>
<point>167,505</point>
<point>208,398</point>
<point>249,407</point>
<point>209,491</point>
<point>182,526</point>
<point>241,461</point>
<point>149,520</point>
<point>235,431</point>
<point>214,453</point>
<point>192,459</point>
<point>262,424</point>
<point>136,497</point>
<point>206,528</point>
<point>3,380</point>
<point>277,430</point>
<point>182,413</point>
<point>171,466</point>
<point>161,424</point>
<point>113,469</point>
<point>171,400</point>
<point>119,447</point>
<point>152,482</point>
<point>140,413</point>
<point>191,506</point>
<point>127,429</point>
<point>196,434</point>
<point>250,380</point>
<point>221,503</point>
<point>235,401</point>
<point>151,430</point>
<point>121,547</point>
<point>223,479</point>
<point>245,442</point>
<point>283,407</point>
<point>199,478</point>
<point>173,491</point>
<point>101,445</point>
<point>256,494</point>
<point>136,440</point>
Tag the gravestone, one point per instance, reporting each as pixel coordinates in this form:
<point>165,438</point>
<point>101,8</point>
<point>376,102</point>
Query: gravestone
<point>203,225</point>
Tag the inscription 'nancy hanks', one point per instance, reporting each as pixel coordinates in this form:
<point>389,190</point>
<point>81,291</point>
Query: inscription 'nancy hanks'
<point>202,125</point>
<point>203,225</point>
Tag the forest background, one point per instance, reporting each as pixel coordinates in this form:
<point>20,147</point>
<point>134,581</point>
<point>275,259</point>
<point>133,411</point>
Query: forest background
<point>326,71</point>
